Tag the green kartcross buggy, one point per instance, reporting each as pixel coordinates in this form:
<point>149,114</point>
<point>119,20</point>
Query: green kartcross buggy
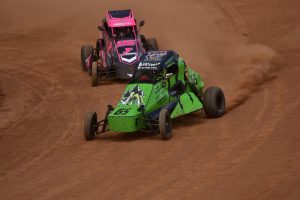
<point>162,88</point>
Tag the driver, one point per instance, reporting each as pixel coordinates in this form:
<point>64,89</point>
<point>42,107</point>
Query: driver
<point>124,32</point>
<point>128,32</point>
<point>120,33</point>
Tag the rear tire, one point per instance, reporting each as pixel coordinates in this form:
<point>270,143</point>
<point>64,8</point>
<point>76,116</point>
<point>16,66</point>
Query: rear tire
<point>151,44</point>
<point>165,124</point>
<point>86,50</point>
<point>90,128</point>
<point>94,74</point>
<point>214,102</point>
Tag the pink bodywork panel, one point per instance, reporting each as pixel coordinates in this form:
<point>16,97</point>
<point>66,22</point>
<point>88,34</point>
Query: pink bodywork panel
<point>128,43</point>
<point>122,43</point>
<point>120,22</point>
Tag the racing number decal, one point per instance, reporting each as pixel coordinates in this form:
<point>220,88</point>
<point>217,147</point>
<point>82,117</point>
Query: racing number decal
<point>122,111</point>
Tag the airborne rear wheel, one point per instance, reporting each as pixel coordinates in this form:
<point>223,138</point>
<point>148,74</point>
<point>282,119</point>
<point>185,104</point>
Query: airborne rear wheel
<point>90,126</point>
<point>214,102</point>
<point>165,124</point>
<point>94,74</point>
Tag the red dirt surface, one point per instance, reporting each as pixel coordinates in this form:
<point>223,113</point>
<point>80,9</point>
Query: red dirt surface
<point>249,48</point>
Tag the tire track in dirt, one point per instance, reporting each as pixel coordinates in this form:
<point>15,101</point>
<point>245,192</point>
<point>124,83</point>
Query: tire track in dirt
<point>32,94</point>
<point>35,87</point>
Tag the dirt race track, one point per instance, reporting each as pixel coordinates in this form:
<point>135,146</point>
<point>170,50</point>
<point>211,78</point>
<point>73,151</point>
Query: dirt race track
<point>249,48</point>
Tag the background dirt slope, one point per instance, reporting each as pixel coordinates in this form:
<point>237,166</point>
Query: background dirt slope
<point>249,48</point>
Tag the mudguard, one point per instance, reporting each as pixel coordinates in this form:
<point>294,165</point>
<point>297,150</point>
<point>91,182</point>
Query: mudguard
<point>195,79</point>
<point>188,102</point>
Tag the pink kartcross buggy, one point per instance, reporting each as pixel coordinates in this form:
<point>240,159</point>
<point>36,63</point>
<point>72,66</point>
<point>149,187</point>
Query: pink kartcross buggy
<point>118,51</point>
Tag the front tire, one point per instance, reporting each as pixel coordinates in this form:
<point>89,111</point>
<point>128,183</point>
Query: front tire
<point>94,74</point>
<point>214,102</point>
<point>86,50</point>
<point>165,124</point>
<point>90,126</point>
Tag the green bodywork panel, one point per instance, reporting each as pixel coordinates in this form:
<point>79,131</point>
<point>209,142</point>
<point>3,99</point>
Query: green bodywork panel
<point>128,115</point>
<point>195,80</point>
<point>188,103</point>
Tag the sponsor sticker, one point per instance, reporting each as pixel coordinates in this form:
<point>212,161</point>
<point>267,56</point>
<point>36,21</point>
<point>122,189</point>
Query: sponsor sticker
<point>155,55</point>
<point>133,96</point>
<point>146,65</point>
<point>123,43</point>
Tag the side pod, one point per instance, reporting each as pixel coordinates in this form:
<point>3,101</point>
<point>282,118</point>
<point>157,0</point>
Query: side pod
<point>188,102</point>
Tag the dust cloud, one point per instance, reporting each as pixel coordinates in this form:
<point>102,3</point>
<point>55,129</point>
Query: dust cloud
<point>256,65</point>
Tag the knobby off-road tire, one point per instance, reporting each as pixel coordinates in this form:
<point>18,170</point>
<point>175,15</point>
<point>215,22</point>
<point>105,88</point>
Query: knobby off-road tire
<point>94,74</point>
<point>85,52</point>
<point>151,44</point>
<point>89,126</point>
<point>165,124</point>
<point>214,102</point>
